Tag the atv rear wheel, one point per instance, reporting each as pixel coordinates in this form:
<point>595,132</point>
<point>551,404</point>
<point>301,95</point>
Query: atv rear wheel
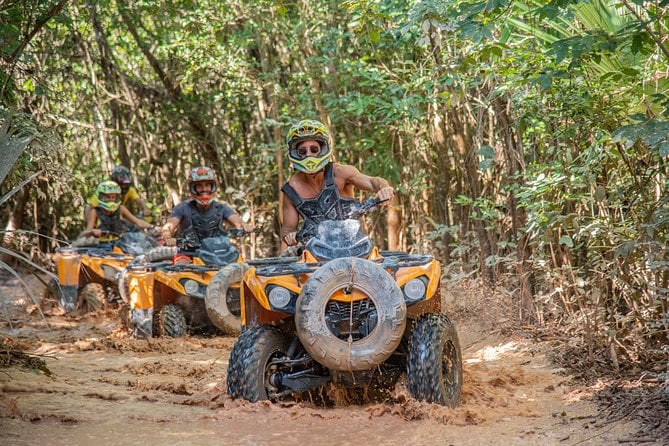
<point>92,297</point>
<point>222,301</point>
<point>250,367</point>
<point>171,321</point>
<point>434,365</point>
<point>379,327</point>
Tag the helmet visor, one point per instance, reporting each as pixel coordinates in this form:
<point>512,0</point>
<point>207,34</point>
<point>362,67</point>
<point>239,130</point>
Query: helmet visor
<point>109,198</point>
<point>303,151</point>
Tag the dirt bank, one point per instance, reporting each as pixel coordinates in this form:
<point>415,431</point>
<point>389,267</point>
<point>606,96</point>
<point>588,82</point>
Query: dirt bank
<point>106,388</point>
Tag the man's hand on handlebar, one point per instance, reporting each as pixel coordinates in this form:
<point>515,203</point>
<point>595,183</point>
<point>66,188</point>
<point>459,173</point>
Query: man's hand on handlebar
<point>385,194</point>
<point>290,238</point>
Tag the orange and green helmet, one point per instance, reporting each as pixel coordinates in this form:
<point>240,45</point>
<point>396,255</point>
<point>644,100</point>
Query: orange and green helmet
<point>105,192</point>
<point>202,174</point>
<point>306,130</point>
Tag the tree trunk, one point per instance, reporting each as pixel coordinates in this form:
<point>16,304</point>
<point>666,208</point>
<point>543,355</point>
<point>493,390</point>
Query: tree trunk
<point>513,154</point>
<point>15,223</point>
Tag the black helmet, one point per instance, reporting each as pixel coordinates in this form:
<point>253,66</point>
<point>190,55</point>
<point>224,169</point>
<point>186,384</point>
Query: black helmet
<point>122,176</point>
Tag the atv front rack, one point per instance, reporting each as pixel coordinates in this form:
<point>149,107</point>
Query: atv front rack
<point>393,262</point>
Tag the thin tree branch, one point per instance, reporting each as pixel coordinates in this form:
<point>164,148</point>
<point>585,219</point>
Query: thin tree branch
<point>11,60</point>
<point>657,39</point>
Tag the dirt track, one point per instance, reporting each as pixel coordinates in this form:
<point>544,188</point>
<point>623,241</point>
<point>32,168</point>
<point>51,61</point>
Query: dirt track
<point>107,388</point>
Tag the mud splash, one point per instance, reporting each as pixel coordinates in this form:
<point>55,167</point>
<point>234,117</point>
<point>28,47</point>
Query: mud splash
<point>108,388</point>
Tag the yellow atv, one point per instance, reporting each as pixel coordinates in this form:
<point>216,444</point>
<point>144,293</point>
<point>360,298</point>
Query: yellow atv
<point>167,299</point>
<point>88,269</point>
<point>347,314</point>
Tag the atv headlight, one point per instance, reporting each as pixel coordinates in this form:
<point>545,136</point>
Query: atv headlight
<point>191,286</point>
<point>279,297</point>
<point>415,289</point>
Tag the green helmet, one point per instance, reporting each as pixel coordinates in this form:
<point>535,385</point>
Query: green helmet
<point>108,188</point>
<point>306,130</point>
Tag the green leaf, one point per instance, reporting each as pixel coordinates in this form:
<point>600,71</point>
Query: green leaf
<point>567,240</point>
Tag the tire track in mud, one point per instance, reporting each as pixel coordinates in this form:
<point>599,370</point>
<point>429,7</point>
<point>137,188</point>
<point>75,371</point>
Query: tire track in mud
<point>105,383</point>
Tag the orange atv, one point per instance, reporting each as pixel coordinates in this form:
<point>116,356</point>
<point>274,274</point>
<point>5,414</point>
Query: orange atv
<point>347,314</point>
<point>169,299</point>
<point>88,269</point>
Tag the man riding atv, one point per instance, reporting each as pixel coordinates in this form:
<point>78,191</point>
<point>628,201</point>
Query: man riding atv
<point>130,198</point>
<point>109,213</point>
<point>321,189</point>
<point>172,297</point>
<point>201,216</point>
<point>88,268</point>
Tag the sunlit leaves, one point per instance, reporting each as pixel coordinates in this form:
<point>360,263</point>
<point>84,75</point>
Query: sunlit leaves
<point>653,133</point>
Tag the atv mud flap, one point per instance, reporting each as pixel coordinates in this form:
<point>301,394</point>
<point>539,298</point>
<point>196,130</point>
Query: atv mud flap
<point>141,322</point>
<point>67,298</point>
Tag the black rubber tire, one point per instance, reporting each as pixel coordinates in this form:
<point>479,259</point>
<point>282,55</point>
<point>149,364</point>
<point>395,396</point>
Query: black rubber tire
<point>434,364</point>
<point>92,297</point>
<point>171,321</point>
<point>160,253</point>
<point>312,328</point>
<point>123,286</point>
<point>248,369</point>
<point>216,299</point>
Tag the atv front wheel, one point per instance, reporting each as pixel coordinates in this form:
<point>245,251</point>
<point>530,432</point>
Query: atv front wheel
<point>434,365</point>
<point>250,368</point>
<point>92,297</point>
<point>222,301</point>
<point>171,321</point>
<point>357,335</point>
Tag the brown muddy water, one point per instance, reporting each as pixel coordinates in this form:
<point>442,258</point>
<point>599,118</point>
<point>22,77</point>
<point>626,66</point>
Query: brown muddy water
<point>108,389</point>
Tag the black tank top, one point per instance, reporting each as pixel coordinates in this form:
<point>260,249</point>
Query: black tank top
<point>205,224</point>
<point>328,205</point>
<point>112,222</point>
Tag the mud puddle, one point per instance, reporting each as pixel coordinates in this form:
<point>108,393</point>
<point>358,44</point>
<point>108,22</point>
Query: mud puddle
<point>107,388</point>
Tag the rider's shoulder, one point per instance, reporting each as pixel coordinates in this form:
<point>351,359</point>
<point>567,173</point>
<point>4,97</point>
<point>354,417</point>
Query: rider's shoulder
<point>344,170</point>
<point>183,205</point>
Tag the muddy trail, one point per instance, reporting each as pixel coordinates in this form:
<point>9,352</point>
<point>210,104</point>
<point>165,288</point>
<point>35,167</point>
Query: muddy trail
<point>99,386</point>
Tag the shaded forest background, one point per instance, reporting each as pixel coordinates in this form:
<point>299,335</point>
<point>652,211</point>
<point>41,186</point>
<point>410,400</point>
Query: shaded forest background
<point>527,140</point>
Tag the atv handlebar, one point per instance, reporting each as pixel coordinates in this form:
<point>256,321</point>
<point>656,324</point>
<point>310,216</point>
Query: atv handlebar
<point>240,232</point>
<point>358,209</point>
<point>367,206</point>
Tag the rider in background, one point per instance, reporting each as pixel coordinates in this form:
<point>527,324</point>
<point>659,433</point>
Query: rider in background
<point>201,216</point>
<point>109,213</point>
<point>321,189</point>
<point>130,198</point>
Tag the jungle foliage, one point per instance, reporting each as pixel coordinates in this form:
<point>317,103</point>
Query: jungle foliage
<point>527,139</point>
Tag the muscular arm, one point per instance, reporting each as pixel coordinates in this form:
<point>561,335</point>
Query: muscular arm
<point>168,230</point>
<point>236,221</point>
<point>170,227</point>
<point>91,219</point>
<point>290,220</point>
<point>353,176</point>
<point>91,222</point>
